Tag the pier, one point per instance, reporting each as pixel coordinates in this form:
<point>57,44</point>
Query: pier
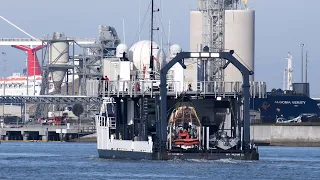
<point>38,132</point>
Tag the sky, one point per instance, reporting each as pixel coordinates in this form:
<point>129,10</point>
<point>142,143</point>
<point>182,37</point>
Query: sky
<point>281,26</point>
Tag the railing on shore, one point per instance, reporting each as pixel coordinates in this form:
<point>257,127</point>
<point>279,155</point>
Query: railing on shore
<point>83,128</point>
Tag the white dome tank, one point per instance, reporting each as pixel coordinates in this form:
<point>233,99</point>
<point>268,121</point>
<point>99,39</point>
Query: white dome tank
<point>140,52</point>
<point>121,48</point>
<point>174,50</point>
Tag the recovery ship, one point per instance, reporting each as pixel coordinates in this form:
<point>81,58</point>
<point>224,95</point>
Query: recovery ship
<point>208,123</point>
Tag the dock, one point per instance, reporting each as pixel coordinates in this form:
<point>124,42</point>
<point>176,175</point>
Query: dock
<point>45,132</point>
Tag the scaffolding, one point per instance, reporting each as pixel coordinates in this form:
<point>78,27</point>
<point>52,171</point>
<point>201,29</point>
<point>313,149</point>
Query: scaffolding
<point>49,65</point>
<point>213,21</point>
<point>90,63</point>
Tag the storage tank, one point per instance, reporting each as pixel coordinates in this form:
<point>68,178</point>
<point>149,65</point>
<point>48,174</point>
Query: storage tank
<point>140,52</point>
<point>240,37</point>
<point>121,48</point>
<point>174,50</point>
<point>59,57</point>
<point>178,71</point>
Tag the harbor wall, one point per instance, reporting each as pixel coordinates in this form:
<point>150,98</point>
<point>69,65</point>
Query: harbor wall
<point>287,135</point>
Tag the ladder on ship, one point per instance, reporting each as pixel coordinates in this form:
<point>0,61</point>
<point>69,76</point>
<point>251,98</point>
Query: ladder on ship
<point>145,109</point>
<point>111,115</point>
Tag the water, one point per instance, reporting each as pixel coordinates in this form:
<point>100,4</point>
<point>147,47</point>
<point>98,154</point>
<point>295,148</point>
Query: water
<point>79,161</point>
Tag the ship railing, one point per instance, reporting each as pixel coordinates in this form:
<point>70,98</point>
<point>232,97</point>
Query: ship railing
<point>215,87</point>
<point>101,121</point>
<point>17,39</point>
<point>89,40</point>
<point>112,122</point>
<point>258,89</point>
<point>143,87</point>
<point>138,87</point>
<point>144,74</point>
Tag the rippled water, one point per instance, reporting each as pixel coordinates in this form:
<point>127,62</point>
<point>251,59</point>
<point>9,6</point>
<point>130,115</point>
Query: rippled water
<point>79,161</point>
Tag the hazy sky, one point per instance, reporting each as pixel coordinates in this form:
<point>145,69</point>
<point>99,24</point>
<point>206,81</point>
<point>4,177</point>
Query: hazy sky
<point>280,27</point>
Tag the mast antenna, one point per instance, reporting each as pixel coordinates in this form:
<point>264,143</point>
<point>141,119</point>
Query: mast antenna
<point>123,31</point>
<point>139,20</point>
<point>306,75</point>
<point>289,72</point>
<point>169,34</point>
<point>151,38</point>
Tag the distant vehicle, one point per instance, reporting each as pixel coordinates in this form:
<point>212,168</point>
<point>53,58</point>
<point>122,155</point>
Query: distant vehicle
<point>295,120</point>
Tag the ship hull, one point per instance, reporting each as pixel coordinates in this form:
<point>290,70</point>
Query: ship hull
<point>114,154</point>
<point>286,106</point>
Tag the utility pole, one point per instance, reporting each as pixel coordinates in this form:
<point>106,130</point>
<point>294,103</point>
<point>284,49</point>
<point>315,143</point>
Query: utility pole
<point>306,66</point>
<point>4,80</point>
<point>151,39</point>
<point>301,62</point>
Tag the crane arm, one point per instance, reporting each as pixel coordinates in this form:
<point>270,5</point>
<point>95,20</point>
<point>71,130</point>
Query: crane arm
<point>18,28</point>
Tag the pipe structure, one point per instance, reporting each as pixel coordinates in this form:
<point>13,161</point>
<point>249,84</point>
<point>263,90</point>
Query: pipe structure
<point>245,87</point>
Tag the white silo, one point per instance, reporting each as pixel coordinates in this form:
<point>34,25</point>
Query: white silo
<point>240,37</point>
<point>58,57</point>
<point>140,53</point>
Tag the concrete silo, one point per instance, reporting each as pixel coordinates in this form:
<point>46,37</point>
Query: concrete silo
<point>240,37</point>
<point>58,60</point>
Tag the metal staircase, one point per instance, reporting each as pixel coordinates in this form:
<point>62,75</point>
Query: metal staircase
<point>145,109</point>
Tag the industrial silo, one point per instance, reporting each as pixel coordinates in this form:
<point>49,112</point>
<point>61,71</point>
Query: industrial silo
<point>240,37</point>
<point>58,60</point>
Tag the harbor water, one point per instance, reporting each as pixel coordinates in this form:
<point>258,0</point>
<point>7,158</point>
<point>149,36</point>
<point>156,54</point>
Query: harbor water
<point>34,160</point>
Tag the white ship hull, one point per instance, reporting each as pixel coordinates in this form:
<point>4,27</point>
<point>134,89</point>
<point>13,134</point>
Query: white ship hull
<point>18,85</point>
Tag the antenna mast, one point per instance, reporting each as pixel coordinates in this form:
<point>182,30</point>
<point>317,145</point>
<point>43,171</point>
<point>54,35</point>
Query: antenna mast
<point>284,83</point>
<point>306,75</point>
<point>151,38</point>
<point>139,20</point>
<point>169,34</point>
<point>123,31</point>
<point>289,73</point>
